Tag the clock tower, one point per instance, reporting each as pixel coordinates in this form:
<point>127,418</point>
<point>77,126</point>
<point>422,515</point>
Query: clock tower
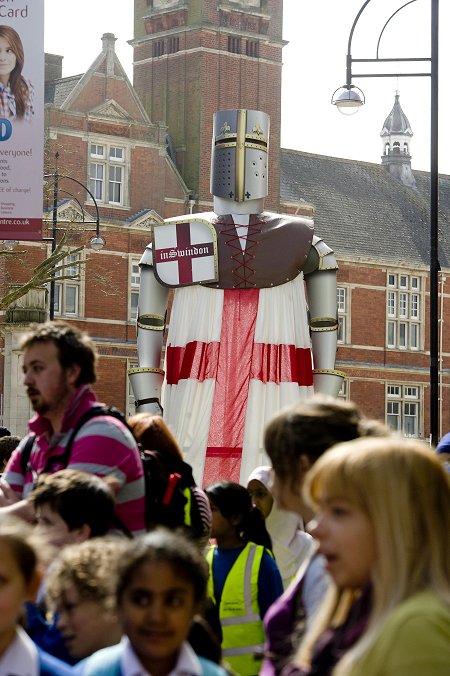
<point>195,57</point>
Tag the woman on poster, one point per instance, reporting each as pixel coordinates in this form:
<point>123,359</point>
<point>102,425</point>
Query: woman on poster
<point>16,92</point>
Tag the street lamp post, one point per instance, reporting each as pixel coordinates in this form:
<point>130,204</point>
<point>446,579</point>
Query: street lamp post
<point>348,99</point>
<point>96,242</point>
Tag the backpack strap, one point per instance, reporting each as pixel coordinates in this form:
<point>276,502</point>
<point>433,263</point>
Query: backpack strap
<point>64,457</point>
<point>92,412</point>
<point>26,453</point>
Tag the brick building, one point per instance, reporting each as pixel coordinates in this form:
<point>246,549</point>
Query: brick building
<point>379,228</point>
<point>98,133</point>
<point>192,57</point>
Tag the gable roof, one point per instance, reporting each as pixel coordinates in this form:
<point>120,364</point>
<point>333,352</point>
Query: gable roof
<point>57,91</point>
<point>86,93</point>
<point>363,212</point>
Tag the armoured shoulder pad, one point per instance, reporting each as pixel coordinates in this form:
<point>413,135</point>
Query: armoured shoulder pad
<point>327,259</point>
<point>147,256</point>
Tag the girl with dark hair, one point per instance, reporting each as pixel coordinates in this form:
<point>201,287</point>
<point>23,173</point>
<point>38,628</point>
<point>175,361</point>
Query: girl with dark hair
<point>294,439</point>
<point>244,579</point>
<point>153,434</point>
<point>16,92</point>
<point>161,586</point>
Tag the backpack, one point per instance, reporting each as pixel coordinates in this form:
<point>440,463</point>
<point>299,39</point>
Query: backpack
<point>171,494</point>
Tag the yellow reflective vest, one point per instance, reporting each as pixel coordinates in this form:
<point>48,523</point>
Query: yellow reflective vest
<point>242,627</point>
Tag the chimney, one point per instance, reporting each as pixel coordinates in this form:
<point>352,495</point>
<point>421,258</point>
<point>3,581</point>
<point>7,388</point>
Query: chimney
<point>53,67</point>
<point>108,40</point>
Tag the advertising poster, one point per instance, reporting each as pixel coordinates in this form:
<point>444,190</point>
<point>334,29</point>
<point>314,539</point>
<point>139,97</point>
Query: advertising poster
<point>21,118</point>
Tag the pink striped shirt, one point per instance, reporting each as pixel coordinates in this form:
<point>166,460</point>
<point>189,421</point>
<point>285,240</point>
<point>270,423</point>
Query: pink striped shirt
<point>103,446</point>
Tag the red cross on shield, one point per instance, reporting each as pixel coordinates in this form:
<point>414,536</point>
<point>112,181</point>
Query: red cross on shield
<point>185,252</point>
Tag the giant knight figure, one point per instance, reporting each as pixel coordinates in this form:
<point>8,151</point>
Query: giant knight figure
<point>243,339</point>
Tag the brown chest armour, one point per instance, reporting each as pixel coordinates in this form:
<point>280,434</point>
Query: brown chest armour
<point>276,250</point>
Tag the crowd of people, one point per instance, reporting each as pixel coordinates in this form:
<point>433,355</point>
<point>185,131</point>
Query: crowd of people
<point>333,559</point>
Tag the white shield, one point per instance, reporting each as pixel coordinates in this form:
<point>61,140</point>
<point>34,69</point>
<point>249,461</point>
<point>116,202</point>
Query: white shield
<point>185,252</point>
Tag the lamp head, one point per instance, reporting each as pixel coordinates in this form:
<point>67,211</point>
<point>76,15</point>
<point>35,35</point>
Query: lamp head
<point>97,243</point>
<point>348,99</point>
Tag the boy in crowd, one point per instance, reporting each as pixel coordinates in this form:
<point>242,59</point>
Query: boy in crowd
<point>8,444</point>
<point>71,507</point>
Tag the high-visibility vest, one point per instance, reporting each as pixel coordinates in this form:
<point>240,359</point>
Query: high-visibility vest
<point>242,627</point>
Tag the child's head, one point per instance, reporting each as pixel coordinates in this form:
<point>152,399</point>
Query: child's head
<point>8,444</point>
<point>404,493</point>
<point>161,586</point>
<point>298,435</point>
<point>72,506</point>
<point>258,486</point>
<point>81,588</point>
<point>232,510</point>
<point>153,434</point>
<point>19,574</point>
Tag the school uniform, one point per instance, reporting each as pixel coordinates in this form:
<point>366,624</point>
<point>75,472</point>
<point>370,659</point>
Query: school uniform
<point>24,658</point>
<point>121,660</point>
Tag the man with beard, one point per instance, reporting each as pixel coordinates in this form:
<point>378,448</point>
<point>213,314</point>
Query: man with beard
<point>59,367</point>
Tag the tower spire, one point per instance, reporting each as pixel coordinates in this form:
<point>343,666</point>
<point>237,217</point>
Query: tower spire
<point>396,135</point>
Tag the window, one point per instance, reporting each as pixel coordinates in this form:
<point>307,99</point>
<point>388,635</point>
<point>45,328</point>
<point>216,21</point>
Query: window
<point>343,392</point>
<point>403,409</point>
<point>97,150</point>
<point>158,48</point>
<point>342,314</point>
<point>135,278</point>
<point>107,173</point>
<point>67,291</point>
<point>173,45</point>
<point>234,44</point>
<point>252,48</point>
<point>96,176</point>
<point>404,312</point>
<point>115,184</point>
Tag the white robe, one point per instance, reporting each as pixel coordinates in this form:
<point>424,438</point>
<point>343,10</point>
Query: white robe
<point>234,358</point>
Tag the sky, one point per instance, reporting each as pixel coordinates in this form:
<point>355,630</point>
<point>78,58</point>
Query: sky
<point>313,68</point>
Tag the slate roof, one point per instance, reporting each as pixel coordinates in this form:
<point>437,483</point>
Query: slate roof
<point>57,91</point>
<point>364,213</point>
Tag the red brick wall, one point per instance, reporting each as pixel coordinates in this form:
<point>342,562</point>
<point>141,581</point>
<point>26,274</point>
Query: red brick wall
<point>185,89</point>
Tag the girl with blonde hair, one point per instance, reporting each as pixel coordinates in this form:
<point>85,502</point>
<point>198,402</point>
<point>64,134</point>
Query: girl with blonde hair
<point>382,521</point>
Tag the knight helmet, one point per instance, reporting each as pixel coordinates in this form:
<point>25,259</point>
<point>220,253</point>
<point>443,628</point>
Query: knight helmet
<point>239,155</point>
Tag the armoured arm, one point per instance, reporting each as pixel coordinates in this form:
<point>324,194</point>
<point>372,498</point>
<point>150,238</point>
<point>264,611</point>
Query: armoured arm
<point>320,278</point>
<point>147,379</point>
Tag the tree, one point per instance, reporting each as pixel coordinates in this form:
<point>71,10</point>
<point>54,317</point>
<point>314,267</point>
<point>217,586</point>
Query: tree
<point>44,273</point>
